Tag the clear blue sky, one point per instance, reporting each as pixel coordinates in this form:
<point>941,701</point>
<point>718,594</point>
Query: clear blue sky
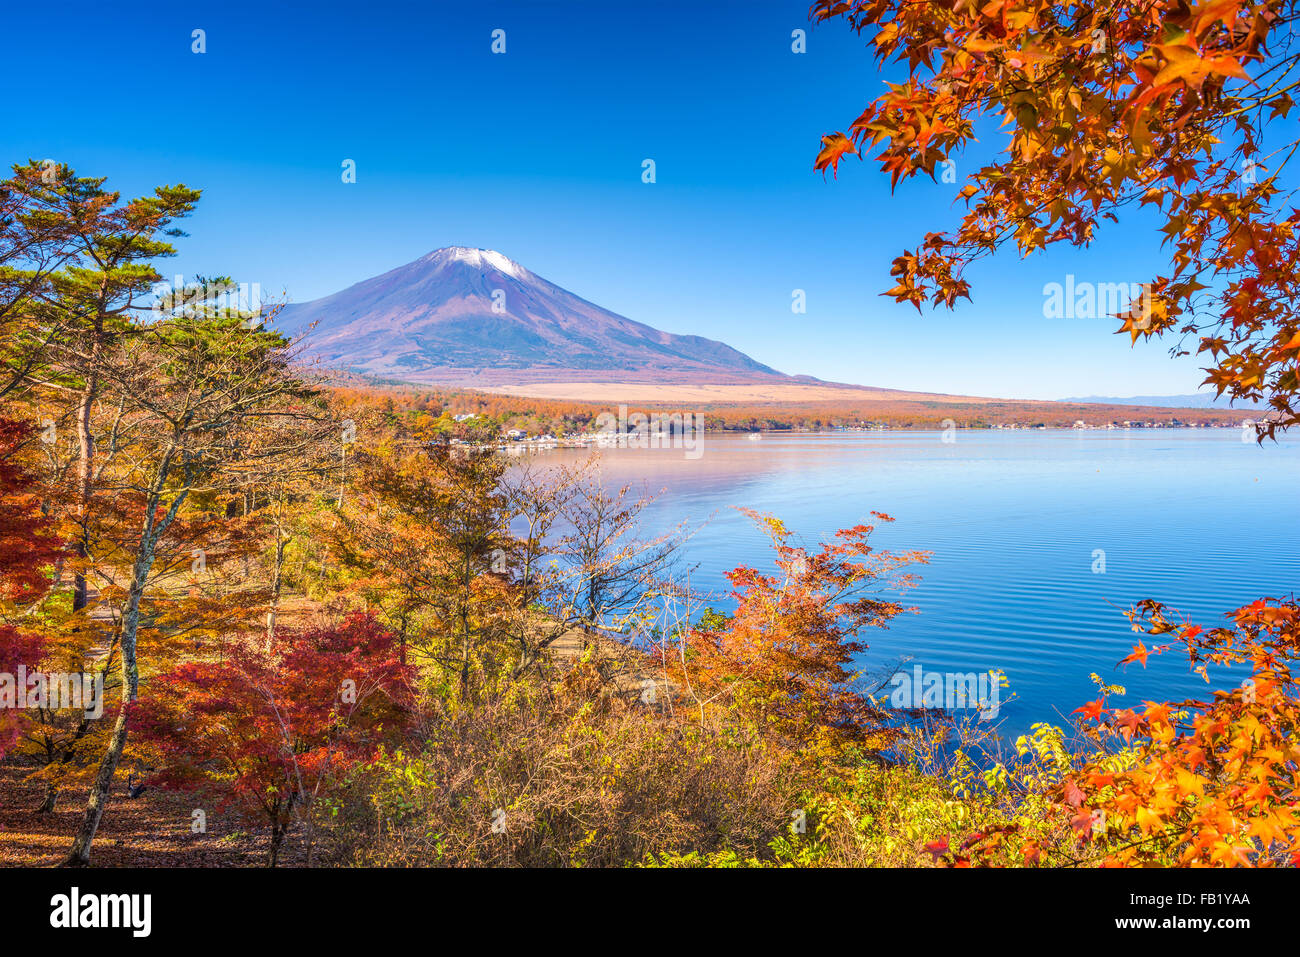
<point>538,153</point>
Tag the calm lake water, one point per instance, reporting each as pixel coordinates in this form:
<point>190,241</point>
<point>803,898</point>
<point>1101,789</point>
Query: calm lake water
<point>1195,518</point>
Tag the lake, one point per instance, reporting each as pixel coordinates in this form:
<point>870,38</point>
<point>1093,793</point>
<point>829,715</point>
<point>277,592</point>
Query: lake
<point>1198,519</point>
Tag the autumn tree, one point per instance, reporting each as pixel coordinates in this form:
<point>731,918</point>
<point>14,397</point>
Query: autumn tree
<point>607,566</point>
<point>54,741</point>
<point>28,550</point>
<point>424,537</point>
<point>789,658</point>
<point>270,728</point>
<point>279,502</point>
<point>537,498</point>
<point>105,283</point>
<point>196,388</point>
<point>196,590</point>
<point>35,242</point>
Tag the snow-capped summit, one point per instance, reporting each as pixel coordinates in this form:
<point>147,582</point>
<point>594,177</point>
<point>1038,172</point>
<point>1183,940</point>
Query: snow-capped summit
<point>477,258</point>
<point>462,316</point>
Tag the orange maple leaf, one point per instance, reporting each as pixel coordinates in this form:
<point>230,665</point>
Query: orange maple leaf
<point>1140,653</point>
<point>1092,710</point>
<point>834,148</point>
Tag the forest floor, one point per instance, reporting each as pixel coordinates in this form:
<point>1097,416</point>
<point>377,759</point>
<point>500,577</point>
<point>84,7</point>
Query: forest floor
<point>153,830</point>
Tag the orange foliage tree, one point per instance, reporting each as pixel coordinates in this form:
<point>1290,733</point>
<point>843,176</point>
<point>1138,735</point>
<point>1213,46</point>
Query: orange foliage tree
<point>787,656</point>
<point>417,541</point>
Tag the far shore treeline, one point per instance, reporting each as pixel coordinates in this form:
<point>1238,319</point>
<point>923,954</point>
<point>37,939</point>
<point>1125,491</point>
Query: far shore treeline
<point>497,414</point>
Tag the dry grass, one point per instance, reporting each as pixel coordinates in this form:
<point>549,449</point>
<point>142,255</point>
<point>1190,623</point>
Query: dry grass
<point>703,394</point>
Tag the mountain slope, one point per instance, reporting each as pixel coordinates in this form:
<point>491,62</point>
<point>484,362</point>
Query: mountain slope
<point>462,316</point>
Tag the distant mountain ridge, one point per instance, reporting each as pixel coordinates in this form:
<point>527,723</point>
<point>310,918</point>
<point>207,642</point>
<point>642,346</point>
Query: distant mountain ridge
<point>1199,400</point>
<point>465,316</point>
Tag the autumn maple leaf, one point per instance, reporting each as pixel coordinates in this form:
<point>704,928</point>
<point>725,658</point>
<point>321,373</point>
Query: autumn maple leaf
<point>1140,653</point>
<point>835,146</point>
<point>1091,711</point>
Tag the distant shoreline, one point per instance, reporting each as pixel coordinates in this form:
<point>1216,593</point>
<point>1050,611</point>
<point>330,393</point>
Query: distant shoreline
<point>657,441</point>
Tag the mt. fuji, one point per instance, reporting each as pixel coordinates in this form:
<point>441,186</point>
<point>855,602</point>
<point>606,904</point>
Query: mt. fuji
<point>462,316</point>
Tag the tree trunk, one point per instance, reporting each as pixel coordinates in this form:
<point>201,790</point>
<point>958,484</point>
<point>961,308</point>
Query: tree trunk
<point>277,839</point>
<point>50,799</point>
<point>79,856</point>
<point>277,583</point>
<point>102,789</point>
<point>85,472</point>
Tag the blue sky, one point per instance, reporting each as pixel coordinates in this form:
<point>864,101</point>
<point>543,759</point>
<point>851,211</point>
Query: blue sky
<point>538,153</point>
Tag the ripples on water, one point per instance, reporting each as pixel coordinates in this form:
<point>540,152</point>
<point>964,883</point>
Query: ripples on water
<point>1194,518</point>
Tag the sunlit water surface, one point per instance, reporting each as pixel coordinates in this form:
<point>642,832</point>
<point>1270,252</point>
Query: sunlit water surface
<point>1015,520</point>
